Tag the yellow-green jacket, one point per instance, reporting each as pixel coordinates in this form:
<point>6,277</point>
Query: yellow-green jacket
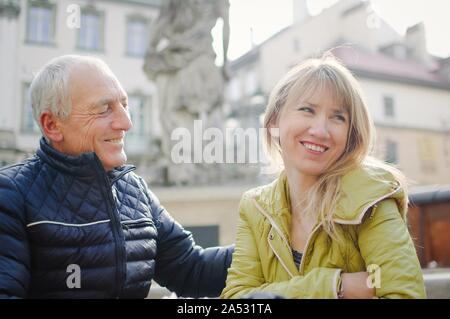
<point>371,218</point>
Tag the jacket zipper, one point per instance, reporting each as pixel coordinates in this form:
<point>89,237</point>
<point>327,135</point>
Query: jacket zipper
<point>120,246</point>
<point>305,252</point>
<point>279,258</point>
<point>280,233</point>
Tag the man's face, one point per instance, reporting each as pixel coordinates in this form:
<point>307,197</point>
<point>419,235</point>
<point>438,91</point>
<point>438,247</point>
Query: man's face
<point>99,117</point>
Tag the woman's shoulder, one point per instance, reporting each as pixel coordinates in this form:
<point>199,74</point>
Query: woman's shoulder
<point>248,204</point>
<point>267,202</point>
<point>253,197</point>
<point>374,171</point>
<point>265,198</point>
<point>269,194</point>
<point>369,184</point>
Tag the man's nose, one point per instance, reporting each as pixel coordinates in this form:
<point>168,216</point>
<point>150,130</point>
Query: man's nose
<point>319,128</point>
<point>122,120</point>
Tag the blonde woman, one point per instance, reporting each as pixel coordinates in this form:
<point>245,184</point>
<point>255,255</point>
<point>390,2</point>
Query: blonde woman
<point>333,225</point>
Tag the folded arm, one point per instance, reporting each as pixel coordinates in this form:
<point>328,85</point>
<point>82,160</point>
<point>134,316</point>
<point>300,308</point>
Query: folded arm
<point>182,266</point>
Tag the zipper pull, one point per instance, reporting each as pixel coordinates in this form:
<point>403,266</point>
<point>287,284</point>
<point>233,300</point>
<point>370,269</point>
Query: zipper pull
<point>374,207</point>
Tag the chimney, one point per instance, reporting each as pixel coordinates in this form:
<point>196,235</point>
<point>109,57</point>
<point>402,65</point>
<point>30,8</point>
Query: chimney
<point>416,43</point>
<point>300,10</point>
<point>443,69</point>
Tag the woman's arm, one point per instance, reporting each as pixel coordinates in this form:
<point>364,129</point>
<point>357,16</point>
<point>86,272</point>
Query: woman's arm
<point>354,286</point>
<point>387,249</point>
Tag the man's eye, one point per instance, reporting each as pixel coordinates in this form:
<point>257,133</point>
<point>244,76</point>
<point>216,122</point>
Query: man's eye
<point>103,109</point>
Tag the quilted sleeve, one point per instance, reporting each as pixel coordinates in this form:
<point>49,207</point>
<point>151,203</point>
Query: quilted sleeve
<point>181,265</point>
<point>14,251</point>
<point>388,251</point>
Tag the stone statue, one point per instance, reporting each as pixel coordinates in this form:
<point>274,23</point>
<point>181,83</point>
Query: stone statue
<point>181,61</point>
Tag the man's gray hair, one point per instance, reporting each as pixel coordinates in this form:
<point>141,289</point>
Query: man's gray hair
<point>50,88</point>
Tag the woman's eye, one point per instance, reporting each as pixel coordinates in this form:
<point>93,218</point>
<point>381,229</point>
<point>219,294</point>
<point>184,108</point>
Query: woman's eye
<point>306,109</point>
<point>341,118</point>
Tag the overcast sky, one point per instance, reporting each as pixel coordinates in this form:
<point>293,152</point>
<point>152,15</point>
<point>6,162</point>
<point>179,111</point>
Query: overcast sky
<point>266,17</point>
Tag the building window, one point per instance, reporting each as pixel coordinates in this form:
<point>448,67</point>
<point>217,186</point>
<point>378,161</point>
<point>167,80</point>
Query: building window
<point>391,152</point>
<point>137,36</point>
<point>447,149</point>
<point>205,236</point>
<point>389,106</point>
<point>251,83</point>
<point>41,22</point>
<point>136,105</point>
<point>90,34</point>
<point>427,154</point>
<point>29,125</point>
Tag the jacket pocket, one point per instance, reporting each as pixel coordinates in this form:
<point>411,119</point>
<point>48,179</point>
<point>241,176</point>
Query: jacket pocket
<point>137,223</point>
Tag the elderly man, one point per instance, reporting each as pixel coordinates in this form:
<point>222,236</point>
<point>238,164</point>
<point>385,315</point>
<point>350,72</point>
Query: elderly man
<point>75,222</point>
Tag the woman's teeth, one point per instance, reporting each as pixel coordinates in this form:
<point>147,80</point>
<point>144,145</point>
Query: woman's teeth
<point>315,148</point>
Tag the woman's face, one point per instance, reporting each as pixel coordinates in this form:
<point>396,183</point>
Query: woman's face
<point>313,132</point>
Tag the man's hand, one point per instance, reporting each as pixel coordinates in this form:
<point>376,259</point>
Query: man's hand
<point>355,286</point>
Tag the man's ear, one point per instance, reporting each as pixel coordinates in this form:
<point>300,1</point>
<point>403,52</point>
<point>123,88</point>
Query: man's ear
<point>51,126</point>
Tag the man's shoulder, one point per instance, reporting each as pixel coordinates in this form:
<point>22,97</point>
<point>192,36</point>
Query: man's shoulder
<point>135,183</point>
<point>133,179</point>
<point>12,169</point>
<point>22,171</point>
<point>15,181</point>
<point>136,177</point>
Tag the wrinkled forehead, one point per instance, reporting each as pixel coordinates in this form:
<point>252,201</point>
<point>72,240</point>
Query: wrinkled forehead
<point>85,71</point>
<point>89,80</point>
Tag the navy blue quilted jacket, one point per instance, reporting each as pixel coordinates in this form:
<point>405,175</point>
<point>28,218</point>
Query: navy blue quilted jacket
<point>63,215</point>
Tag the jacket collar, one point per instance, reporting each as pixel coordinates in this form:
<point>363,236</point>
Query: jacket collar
<point>361,189</point>
<point>84,165</point>
<point>275,200</point>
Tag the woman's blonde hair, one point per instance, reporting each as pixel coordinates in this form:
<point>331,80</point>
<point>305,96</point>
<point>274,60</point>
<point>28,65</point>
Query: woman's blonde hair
<point>304,79</point>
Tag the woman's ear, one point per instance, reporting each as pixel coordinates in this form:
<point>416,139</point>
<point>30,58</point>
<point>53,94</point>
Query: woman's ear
<point>50,125</point>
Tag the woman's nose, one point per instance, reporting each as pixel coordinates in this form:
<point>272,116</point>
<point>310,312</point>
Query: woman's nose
<point>319,129</point>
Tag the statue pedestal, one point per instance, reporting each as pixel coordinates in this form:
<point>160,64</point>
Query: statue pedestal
<point>205,206</point>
